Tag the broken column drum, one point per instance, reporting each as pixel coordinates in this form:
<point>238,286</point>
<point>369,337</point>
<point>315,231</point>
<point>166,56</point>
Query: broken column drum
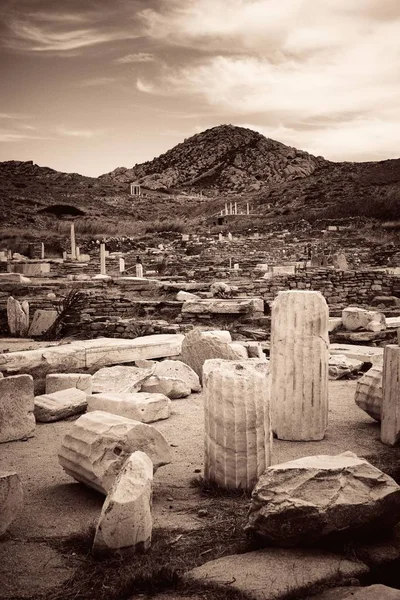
<point>299,366</point>
<point>390,413</point>
<point>237,444</point>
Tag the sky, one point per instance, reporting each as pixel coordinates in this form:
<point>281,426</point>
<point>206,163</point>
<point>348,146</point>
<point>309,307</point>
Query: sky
<point>91,85</point>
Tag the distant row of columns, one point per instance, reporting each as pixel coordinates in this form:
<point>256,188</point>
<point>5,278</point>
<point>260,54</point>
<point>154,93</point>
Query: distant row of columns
<point>232,209</point>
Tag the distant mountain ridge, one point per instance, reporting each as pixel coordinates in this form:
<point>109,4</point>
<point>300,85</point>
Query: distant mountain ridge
<point>224,159</point>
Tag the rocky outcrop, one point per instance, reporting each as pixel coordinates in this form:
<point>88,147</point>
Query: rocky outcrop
<point>303,500</point>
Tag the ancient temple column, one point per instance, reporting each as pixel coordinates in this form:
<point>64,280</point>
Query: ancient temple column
<point>299,365</point>
<point>237,446</point>
<point>73,243</point>
<point>102,259</point>
<point>390,417</point>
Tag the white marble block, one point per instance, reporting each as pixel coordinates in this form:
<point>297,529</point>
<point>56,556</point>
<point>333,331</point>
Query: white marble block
<point>140,406</point>
<point>368,394</point>
<point>55,382</point>
<point>390,423</point>
<point>18,317</point>
<point>299,366</point>
<point>125,520</point>
<point>60,405</point>
<point>17,421</point>
<point>237,446</point>
<point>11,499</point>
<point>119,379</point>
<point>98,444</point>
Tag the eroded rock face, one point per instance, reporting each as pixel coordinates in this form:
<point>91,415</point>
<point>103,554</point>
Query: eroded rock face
<point>119,379</point>
<point>18,317</point>
<point>368,394</point>
<point>354,318</point>
<point>125,520</point>
<point>141,406</point>
<point>60,405</point>
<point>11,499</point>
<point>198,346</point>
<point>17,421</point>
<point>303,500</point>
<point>98,444</point>
<point>237,444</point>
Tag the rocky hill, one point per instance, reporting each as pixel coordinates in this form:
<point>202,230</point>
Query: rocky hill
<point>224,159</point>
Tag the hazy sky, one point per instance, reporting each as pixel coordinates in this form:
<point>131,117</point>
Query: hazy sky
<point>90,85</point>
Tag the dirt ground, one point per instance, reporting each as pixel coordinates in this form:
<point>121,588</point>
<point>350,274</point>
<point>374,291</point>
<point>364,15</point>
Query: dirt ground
<point>57,507</point>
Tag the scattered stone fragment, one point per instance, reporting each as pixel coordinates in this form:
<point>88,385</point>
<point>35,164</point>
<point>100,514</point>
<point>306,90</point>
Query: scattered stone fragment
<point>139,407</point>
<point>125,520</point>
<point>182,296</point>
<point>291,507</point>
<point>340,366</point>
<point>176,369</point>
<point>17,421</point>
<point>199,346</point>
<point>172,387</point>
<point>274,573</point>
<point>60,405</point>
<point>358,318</point>
<point>98,444</point>
<point>119,379</point>
<point>238,438</point>
<point>368,394</point>
<point>18,317</point>
<point>220,288</point>
<point>42,321</point>
<point>363,353</point>
<point>11,499</point>
<point>55,382</point>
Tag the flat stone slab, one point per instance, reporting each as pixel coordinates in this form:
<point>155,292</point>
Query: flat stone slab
<point>60,405</point>
<point>224,306</point>
<point>273,573</point>
<point>137,406</point>
<point>90,354</point>
<point>363,353</point>
<point>42,321</point>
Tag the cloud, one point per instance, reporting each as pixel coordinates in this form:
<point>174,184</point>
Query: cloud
<point>13,116</point>
<point>138,57</point>
<point>10,136</point>
<point>80,133</point>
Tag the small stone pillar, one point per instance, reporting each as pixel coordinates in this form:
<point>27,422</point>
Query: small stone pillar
<point>102,259</point>
<point>73,244</point>
<point>235,208</point>
<point>299,365</point>
<point>121,265</point>
<point>42,251</point>
<point>220,237</point>
<point>236,267</point>
<point>65,256</point>
<point>230,236</point>
<point>247,209</point>
<point>238,439</point>
<point>231,208</point>
<point>77,252</point>
<point>139,270</point>
<point>226,208</point>
<point>390,417</point>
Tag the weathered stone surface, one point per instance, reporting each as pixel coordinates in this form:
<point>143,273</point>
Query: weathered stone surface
<point>390,413</point>
<point>17,421</point>
<point>376,592</point>
<point>358,318</point>
<point>340,366</point>
<point>276,573</point>
<point>89,354</point>
<point>55,382</point>
<point>334,323</point>
<point>11,499</point>
<point>42,321</point>
<point>363,353</point>
<point>339,261</point>
<point>182,296</point>
<point>199,346</point>
<point>139,407</point>
<point>368,394</point>
<point>178,370</point>
<point>172,387</point>
<point>125,520</point>
<point>237,422</point>
<point>98,444</point>
<point>60,405</point>
<point>119,379</point>
<point>300,501</point>
<point>299,365</point>
<point>18,317</point>
<point>223,306</point>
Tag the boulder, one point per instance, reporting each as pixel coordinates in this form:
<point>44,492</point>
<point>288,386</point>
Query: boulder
<point>119,379</point>
<point>98,443</point>
<point>174,368</point>
<point>354,318</point>
<point>42,321</point>
<point>18,317</point>
<point>60,405</point>
<point>125,520</point>
<point>368,394</point>
<point>172,387</point>
<point>55,382</point>
<point>303,500</point>
<point>340,366</point>
<point>11,499</point>
<point>140,406</point>
<point>17,421</point>
<point>199,346</point>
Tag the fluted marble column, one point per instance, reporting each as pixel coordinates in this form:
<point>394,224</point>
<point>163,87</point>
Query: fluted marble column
<point>390,423</point>
<point>299,365</point>
<point>237,422</point>
<point>368,394</point>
